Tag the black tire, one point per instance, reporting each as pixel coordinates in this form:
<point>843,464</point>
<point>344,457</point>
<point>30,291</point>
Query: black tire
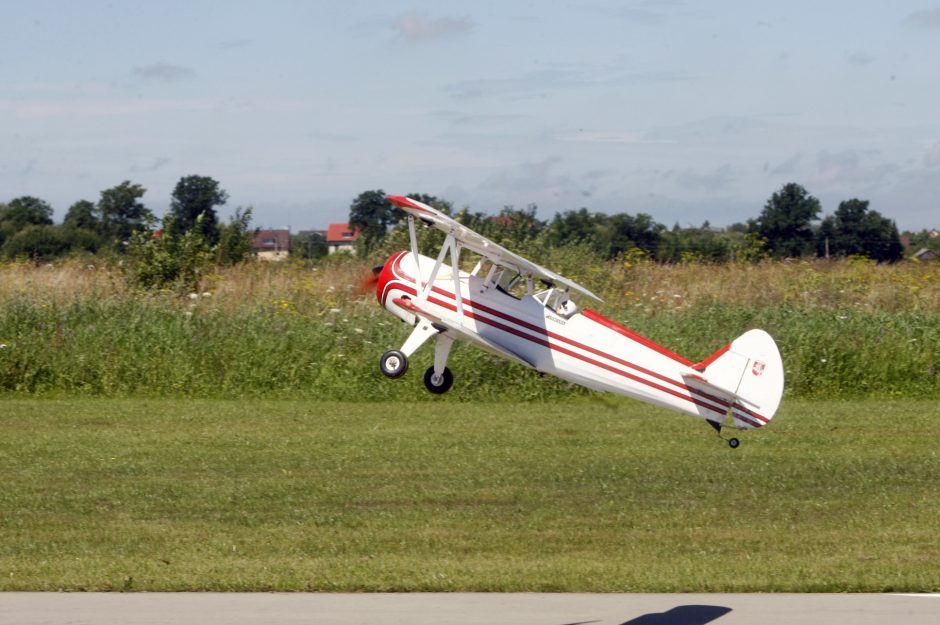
<point>733,443</point>
<point>447,381</point>
<point>393,364</point>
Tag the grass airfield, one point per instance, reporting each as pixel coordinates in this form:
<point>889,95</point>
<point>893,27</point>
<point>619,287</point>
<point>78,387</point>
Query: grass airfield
<point>594,495</point>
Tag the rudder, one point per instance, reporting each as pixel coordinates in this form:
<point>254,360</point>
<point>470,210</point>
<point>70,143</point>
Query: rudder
<point>750,371</point>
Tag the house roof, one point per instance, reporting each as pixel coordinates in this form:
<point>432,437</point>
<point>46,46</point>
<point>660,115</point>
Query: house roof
<point>271,240</point>
<point>341,233</point>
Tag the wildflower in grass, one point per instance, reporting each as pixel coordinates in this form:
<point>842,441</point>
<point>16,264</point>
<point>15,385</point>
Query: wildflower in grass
<point>194,296</point>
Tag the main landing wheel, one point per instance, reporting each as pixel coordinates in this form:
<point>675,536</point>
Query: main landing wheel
<point>438,384</point>
<point>393,364</point>
<point>733,443</point>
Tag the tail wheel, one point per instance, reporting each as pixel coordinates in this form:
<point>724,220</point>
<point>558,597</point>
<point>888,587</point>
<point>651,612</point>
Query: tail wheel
<point>393,364</point>
<point>438,384</point>
<point>733,443</point>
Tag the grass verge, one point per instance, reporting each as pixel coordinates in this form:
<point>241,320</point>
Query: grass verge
<point>591,495</point>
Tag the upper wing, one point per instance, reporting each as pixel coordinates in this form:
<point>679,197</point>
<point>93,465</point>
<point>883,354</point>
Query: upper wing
<point>483,246</point>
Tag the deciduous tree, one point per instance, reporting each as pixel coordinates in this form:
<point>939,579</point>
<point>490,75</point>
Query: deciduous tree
<point>372,214</point>
<point>786,221</point>
<point>194,196</point>
<point>855,230</point>
<point>122,212</point>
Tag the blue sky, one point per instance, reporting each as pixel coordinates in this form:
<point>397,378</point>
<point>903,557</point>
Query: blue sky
<point>688,111</point>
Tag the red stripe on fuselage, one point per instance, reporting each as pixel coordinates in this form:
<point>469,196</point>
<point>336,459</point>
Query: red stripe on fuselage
<point>633,336</point>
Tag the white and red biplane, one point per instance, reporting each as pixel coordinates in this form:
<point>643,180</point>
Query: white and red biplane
<point>496,307</point>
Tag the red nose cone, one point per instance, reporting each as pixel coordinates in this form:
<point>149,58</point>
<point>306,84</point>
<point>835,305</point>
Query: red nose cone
<point>385,275</point>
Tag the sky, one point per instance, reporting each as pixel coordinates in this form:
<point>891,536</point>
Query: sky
<point>686,111</point>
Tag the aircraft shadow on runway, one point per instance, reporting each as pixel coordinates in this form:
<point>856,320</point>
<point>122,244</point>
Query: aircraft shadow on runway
<point>679,615</point>
<point>682,615</point>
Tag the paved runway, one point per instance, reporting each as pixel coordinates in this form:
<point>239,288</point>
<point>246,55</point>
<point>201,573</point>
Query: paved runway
<point>464,609</point>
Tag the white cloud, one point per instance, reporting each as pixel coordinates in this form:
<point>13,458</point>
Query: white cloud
<point>932,157</point>
<point>164,72</point>
<point>149,166</point>
<point>927,18</point>
<point>714,180</point>
<point>859,58</point>
<point>97,107</point>
<point>787,167</point>
<point>418,27</point>
<point>861,171</point>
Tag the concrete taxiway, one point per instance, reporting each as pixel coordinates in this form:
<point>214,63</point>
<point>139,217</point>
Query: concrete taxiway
<point>465,609</point>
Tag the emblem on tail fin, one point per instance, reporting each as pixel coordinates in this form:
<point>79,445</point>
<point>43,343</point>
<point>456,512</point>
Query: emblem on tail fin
<point>758,367</point>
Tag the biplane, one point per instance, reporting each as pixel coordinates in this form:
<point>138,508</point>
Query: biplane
<point>525,313</point>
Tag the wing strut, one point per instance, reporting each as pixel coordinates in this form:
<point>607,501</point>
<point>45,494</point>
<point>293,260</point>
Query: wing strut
<point>437,267</point>
<point>455,271</point>
<point>414,241</point>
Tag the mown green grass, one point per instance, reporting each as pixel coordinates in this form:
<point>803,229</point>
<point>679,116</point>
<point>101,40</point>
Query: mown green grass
<point>597,494</point>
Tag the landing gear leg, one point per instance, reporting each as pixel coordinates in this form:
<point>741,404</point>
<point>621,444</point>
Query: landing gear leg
<point>733,443</point>
<point>438,379</point>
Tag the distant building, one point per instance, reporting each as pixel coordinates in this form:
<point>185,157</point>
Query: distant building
<point>271,244</point>
<point>925,254</point>
<point>341,238</point>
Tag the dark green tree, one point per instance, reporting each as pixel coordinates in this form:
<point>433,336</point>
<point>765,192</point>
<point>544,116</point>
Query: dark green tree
<point>81,239</point>
<point>625,231</point>
<point>373,215</point>
<point>786,222</point>
<point>26,211</point>
<point>511,227</point>
<point>234,244</point>
<point>695,244</point>
<point>856,230</point>
<point>573,227</point>
<point>38,242</point>
<point>166,260</point>
<point>82,215</point>
<point>309,245</point>
<point>195,196</point>
<point>122,213</point>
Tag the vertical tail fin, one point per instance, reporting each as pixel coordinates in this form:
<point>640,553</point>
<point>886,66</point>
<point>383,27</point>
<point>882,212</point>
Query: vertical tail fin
<point>749,373</point>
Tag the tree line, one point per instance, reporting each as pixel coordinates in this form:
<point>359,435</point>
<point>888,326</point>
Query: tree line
<point>788,227</point>
<point>174,253</point>
<point>119,223</point>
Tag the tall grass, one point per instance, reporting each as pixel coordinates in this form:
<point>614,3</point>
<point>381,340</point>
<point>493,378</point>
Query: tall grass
<point>845,329</point>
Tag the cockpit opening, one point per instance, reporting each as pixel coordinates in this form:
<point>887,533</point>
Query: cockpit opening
<point>558,301</point>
